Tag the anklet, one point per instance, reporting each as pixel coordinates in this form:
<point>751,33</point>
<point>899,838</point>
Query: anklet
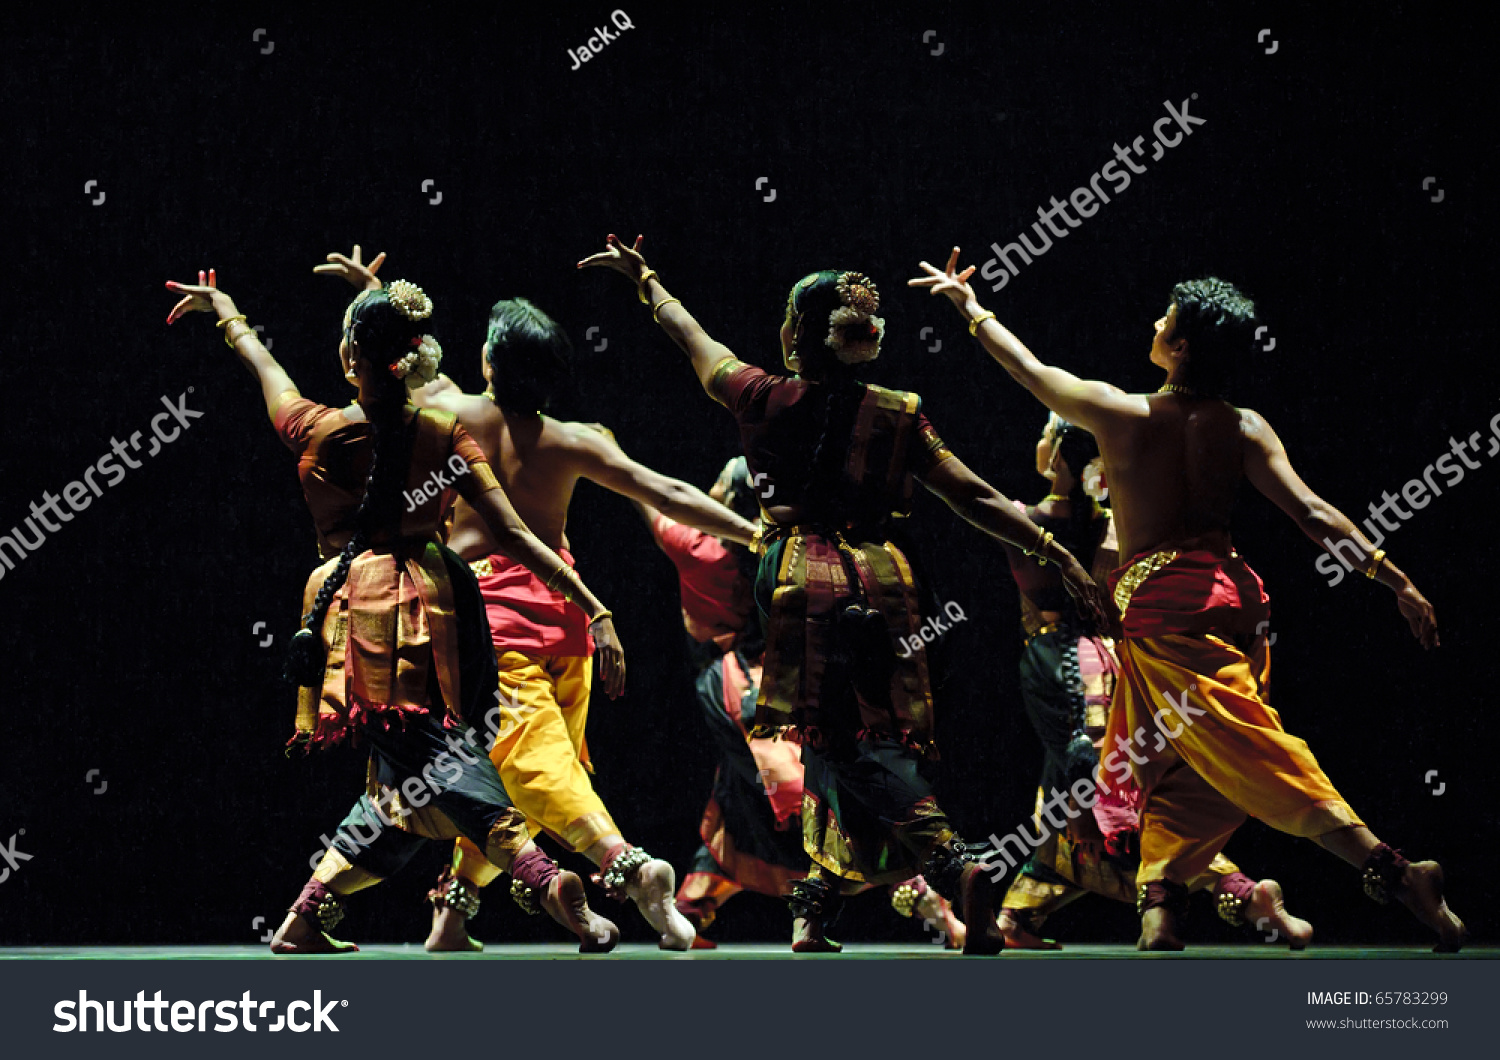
<point>456,893</point>
<point>1382,873</point>
<point>618,867</point>
<point>1234,893</point>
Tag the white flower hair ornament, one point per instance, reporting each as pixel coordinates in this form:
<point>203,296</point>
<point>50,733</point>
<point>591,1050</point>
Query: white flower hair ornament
<point>409,300</point>
<point>1094,483</point>
<point>861,300</point>
<point>419,367</point>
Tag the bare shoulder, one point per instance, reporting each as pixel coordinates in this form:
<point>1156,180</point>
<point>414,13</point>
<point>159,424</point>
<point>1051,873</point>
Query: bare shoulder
<point>1254,428</point>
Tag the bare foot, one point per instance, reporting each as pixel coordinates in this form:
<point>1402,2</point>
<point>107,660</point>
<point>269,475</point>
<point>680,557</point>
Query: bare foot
<point>653,889</point>
<point>566,903</point>
<point>1017,937</point>
<point>976,897</point>
<point>808,937</point>
<point>937,914</point>
<point>1266,912</point>
<point>1159,931</point>
<point>1421,891</point>
<point>297,936</point>
<point>449,933</point>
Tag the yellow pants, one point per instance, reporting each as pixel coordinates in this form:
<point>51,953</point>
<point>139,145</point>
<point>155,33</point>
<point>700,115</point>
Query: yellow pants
<point>542,756</point>
<point>1195,708</point>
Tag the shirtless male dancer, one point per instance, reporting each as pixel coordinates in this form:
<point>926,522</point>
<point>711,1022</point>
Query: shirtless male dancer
<point>1194,654</point>
<point>543,651</point>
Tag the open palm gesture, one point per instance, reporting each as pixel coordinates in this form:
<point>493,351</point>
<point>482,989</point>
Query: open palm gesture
<point>947,281</point>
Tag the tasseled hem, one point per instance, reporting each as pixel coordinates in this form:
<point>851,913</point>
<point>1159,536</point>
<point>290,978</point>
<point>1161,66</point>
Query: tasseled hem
<point>331,728</point>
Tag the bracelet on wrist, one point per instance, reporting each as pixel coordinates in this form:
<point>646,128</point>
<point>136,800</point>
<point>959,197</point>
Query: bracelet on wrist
<point>606,613</point>
<point>1044,538</point>
<point>988,314</point>
<point>1376,559</point>
<point>230,320</point>
<point>640,286</point>
<point>657,308</point>
<point>231,336</point>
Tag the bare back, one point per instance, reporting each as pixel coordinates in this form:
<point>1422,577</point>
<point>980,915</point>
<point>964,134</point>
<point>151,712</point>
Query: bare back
<point>531,455</point>
<point>1174,473</point>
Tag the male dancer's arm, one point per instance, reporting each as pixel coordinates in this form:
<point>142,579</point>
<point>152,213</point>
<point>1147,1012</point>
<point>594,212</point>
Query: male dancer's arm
<point>601,460</point>
<point>1096,406</point>
<point>1270,470</point>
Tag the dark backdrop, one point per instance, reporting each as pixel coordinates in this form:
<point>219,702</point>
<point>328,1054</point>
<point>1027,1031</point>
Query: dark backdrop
<point>129,645</point>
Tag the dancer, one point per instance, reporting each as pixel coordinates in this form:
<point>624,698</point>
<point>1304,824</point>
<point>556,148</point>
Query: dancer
<point>392,650</point>
<point>542,647</point>
<point>1068,674</point>
<point>835,592</point>
<point>1195,615</point>
<point>751,827</point>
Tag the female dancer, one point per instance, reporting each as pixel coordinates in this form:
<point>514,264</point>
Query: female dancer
<point>837,595</point>
<point>752,839</point>
<point>393,630</point>
<point>1068,673</point>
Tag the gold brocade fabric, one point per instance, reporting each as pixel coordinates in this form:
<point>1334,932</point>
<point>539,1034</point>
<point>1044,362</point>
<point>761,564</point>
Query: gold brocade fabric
<point>390,629</point>
<point>1139,571</point>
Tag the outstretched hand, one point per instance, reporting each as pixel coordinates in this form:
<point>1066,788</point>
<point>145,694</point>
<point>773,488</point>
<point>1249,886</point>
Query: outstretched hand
<point>947,281</point>
<point>354,270</point>
<point>1419,615</point>
<point>628,261</point>
<point>202,297</point>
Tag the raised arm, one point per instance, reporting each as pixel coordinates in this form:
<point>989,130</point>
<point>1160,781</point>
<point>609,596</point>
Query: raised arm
<point>515,539</point>
<point>985,507</point>
<point>205,297</point>
<point>1093,405</point>
<point>1270,471</point>
<point>703,351</point>
<point>601,460</point>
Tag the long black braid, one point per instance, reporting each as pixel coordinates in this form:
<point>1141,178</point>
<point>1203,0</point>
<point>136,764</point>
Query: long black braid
<point>383,334</point>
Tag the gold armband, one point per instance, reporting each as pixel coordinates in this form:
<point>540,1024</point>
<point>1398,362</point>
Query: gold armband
<point>1376,559</point>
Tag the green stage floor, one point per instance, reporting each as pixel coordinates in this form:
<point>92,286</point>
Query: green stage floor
<point>726,952</point>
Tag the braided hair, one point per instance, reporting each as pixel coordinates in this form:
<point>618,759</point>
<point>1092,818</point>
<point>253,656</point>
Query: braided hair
<point>840,330</point>
<point>385,332</point>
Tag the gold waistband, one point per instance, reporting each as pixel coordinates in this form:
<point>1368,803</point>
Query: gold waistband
<point>1050,627</point>
<point>482,567</point>
<point>1139,571</point>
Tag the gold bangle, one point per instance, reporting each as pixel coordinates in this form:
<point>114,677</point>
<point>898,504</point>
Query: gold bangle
<point>230,320</point>
<point>1376,559</point>
<point>658,306</point>
<point>1044,538</point>
<point>606,613</point>
<point>231,339</point>
<point>988,314</point>
<point>640,286</point>
<point>563,573</point>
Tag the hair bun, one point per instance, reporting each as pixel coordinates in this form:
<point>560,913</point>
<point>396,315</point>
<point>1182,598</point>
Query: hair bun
<point>857,291</point>
<point>409,300</point>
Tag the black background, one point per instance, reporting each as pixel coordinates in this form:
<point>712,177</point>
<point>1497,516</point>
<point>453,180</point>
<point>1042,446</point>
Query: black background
<point>129,645</point>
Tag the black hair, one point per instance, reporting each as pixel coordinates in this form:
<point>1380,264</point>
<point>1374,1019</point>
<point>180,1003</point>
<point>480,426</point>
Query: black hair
<point>531,357</point>
<point>383,334</point>
<point>739,491</point>
<point>815,298</point>
<point>1218,321</point>
<point>1076,447</point>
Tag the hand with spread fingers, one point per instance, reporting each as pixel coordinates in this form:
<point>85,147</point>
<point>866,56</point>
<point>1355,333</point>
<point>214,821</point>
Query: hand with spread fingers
<point>202,297</point>
<point>1419,615</point>
<point>353,269</point>
<point>947,281</point>
<point>627,261</point>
